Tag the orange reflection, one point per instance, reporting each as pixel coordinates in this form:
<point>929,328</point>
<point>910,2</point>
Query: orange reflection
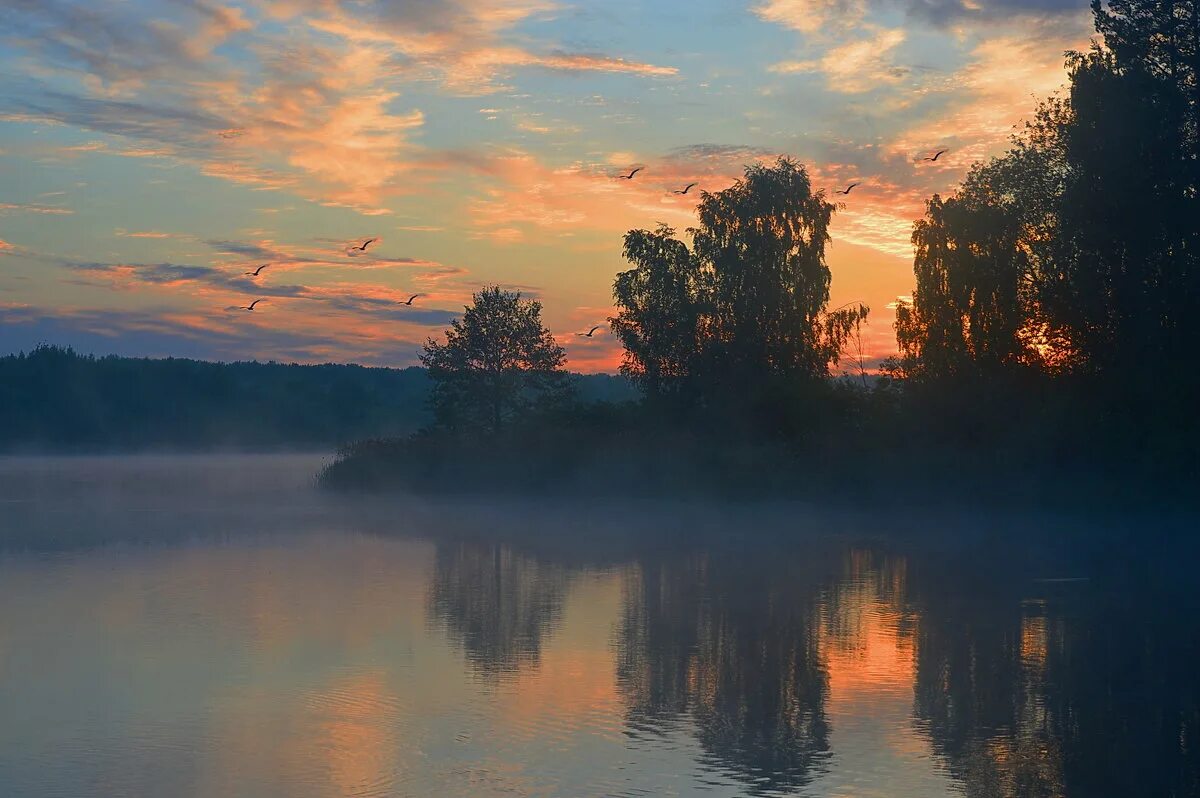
<point>870,656</point>
<point>574,674</point>
<point>863,646</point>
<point>1034,642</point>
<point>359,741</point>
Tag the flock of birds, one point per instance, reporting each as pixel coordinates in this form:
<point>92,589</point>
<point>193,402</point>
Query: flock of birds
<point>356,248</point>
<point>633,172</point>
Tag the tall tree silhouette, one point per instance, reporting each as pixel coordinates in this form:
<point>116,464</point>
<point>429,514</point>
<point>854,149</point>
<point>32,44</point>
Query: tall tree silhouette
<point>498,362</point>
<point>1079,249</point>
<point>743,309</point>
<point>1128,291</point>
<point>659,311</point>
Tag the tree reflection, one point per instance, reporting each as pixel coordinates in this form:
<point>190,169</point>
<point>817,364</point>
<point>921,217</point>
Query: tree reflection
<point>735,648</point>
<point>954,660</point>
<point>1074,688</point>
<point>496,604</point>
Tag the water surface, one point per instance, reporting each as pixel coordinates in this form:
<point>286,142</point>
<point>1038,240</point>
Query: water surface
<point>213,627</point>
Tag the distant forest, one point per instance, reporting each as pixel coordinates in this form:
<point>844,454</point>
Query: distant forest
<point>54,399</point>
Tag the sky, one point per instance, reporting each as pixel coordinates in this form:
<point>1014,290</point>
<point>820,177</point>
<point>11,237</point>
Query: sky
<point>153,151</point>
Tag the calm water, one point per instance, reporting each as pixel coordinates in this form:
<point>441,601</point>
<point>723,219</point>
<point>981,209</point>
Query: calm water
<point>214,627</point>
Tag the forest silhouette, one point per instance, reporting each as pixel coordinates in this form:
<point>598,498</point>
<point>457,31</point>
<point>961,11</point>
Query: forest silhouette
<point>1046,352</point>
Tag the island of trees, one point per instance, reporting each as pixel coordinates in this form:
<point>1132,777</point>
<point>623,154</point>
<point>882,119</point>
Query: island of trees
<point>1049,350</point>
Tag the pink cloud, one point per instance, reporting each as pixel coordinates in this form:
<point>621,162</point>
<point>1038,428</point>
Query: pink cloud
<point>50,210</point>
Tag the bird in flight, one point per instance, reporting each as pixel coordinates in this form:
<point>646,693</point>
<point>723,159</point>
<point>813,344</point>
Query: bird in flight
<point>258,271</point>
<point>365,244</point>
<point>685,190</point>
<point>590,332</point>
<point>936,155</point>
<point>251,305</point>
<point>410,299</point>
<point>630,175</point>
<point>847,190</point>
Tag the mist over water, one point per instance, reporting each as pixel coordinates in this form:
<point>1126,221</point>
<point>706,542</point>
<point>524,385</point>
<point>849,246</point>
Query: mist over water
<point>215,626</point>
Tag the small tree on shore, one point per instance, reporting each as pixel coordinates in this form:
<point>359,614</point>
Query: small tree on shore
<point>499,362</point>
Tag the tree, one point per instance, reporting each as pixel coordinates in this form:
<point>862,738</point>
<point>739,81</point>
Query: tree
<point>1079,249</point>
<point>761,250</point>
<point>659,311</point>
<point>971,307</point>
<point>742,312</point>
<point>985,262</point>
<point>498,363</point>
<point>1129,288</point>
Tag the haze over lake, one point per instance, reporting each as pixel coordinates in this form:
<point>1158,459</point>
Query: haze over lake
<point>214,626</point>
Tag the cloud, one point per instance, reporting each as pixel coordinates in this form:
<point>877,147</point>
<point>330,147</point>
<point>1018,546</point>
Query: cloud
<point>1000,86</point>
<point>462,43</point>
<point>812,16</point>
<point>116,46</point>
<point>221,336</point>
<point>833,18</point>
<point>315,117</point>
<point>314,110</point>
<point>24,207</point>
<point>152,234</point>
<point>354,321</point>
<point>856,66</point>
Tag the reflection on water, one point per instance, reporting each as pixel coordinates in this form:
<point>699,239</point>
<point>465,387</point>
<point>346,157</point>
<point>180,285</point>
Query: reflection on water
<point>247,637</point>
<point>495,604</point>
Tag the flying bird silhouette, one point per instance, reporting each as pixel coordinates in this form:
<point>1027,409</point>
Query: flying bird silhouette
<point>847,191</point>
<point>590,332</point>
<point>251,305</point>
<point>686,189</point>
<point>258,271</point>
<point>365,244</point>
<point>411,298</point>
<point>630,175</point>
<point>936,155</point>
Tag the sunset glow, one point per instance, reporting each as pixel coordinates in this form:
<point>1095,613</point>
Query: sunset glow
<point>152,153</point>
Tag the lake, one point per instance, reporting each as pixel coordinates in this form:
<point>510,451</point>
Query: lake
<point>213,626</point>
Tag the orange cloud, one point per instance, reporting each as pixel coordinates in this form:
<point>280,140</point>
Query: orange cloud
<point>812,16</point>
<point>856,66</point>
<point>145,234</point>
<point>463,44</point>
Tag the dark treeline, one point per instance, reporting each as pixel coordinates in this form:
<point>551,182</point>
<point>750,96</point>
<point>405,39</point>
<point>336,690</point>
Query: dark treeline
<point>1047,352</point>
<point>55,399</point>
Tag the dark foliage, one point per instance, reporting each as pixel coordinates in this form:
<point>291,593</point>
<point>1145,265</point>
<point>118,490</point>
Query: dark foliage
<point>738,322</point>
<point>499,363</point>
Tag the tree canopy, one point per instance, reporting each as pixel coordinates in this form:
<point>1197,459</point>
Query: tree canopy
<point>1078,250</point>
<point>499,361</point>
<point>746,304</point>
